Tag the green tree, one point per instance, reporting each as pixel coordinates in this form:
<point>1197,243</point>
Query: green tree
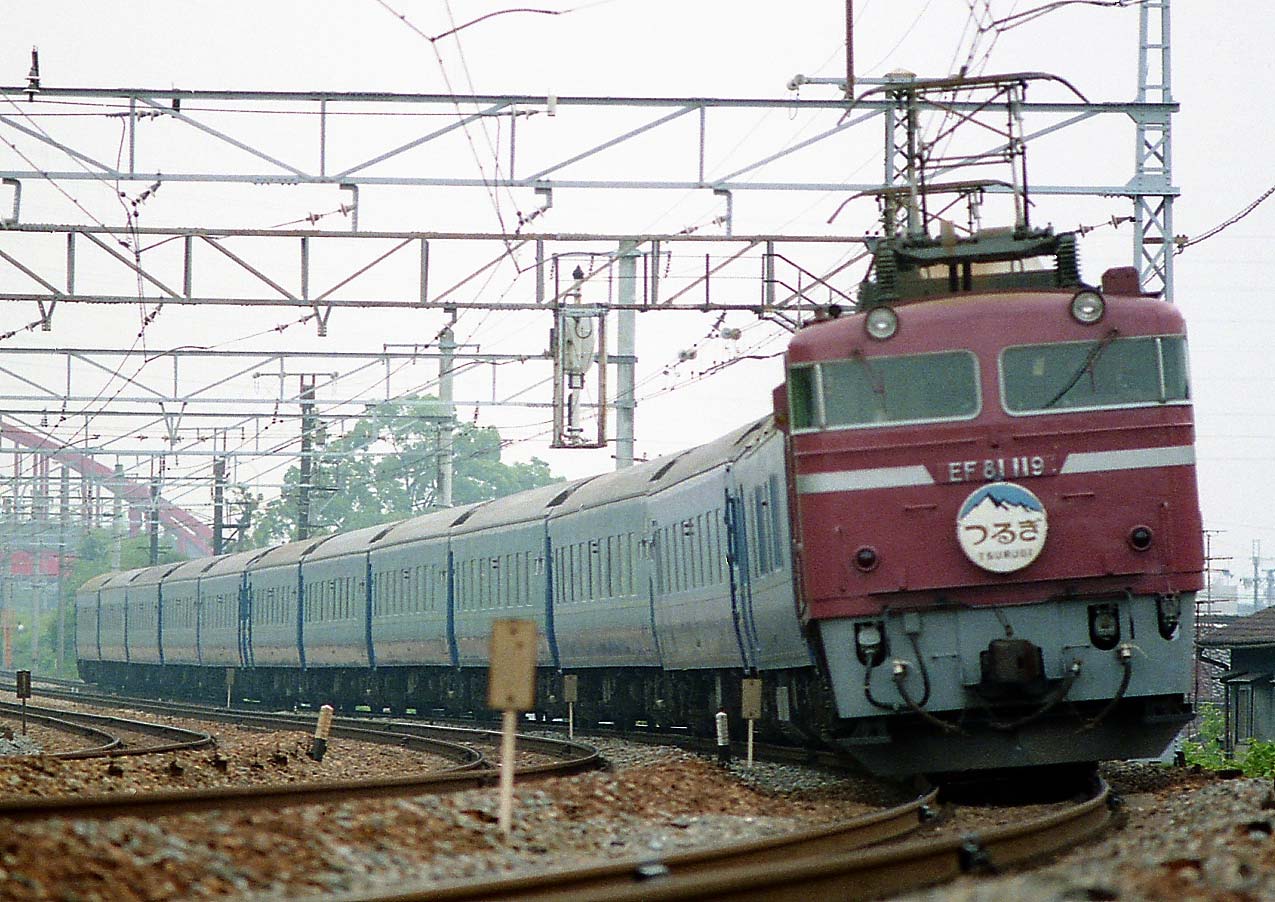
<point>386,468</point>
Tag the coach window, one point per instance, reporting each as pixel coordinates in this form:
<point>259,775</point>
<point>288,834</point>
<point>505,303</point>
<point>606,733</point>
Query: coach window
<point>1086,375</point>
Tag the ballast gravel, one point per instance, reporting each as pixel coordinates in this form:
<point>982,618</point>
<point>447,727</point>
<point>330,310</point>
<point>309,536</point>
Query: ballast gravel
<point>1180,836</point>
<point>652,801</point>
<point>1184,836</point>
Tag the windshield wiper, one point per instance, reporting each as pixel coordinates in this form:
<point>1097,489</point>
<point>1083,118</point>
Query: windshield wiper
<point>1085,366</point>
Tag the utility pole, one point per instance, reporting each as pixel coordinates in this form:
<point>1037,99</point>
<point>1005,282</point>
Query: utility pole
<point>37,590</point>
<point>1204,607</point>
<point>117,516</point>
<point>849,49</point>
<point>307,450</point>
<point>152,516</point>
<point>626,348</point>
<point>446,448</point>
<point>219,505</point>
<point>1257,560</point>
<point>6,619</point>
<point>64,515</point>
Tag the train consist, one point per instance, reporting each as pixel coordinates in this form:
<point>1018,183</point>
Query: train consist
<point>968,538</point>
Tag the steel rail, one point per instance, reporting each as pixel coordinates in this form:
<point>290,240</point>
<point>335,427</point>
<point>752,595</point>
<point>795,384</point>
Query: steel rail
<point>180,739</point>
<point>106,741</point>
<point>471,771</point>
<point>595,881</point>
<point>438,742</point>
<point>790,872</point>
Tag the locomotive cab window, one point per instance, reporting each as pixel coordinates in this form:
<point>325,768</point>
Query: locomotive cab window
<point>878,391</point>
<point>1108,373</point>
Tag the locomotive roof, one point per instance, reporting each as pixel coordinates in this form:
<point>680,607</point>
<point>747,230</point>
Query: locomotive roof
<point>970,320</point>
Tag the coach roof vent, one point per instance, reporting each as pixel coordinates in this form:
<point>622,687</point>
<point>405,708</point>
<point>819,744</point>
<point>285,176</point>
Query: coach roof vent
<point>760,424</point>
<point>568,491</point>
<point>469,513</point>
<point>666,467</point>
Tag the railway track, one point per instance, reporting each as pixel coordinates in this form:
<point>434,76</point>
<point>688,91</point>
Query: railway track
<point>468,767</point>
<point>98,728</point>
<point>842,862</point>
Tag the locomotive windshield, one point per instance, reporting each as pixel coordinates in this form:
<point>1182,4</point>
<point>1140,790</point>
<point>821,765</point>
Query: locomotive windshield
<point>1110,372</point>
<point>873,391</point>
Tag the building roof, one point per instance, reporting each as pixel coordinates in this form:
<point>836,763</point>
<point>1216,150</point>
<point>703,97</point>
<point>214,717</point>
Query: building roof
<point>1246,632</point>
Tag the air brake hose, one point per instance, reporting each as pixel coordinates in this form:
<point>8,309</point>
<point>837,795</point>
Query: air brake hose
<point>900,675</point>
<point>867,690</point>
<point>1125,653</point>
<point>1059,693</point>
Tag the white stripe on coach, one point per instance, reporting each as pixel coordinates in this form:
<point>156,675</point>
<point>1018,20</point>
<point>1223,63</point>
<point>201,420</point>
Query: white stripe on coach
<point>857,480</point>
<point>1131,459</point>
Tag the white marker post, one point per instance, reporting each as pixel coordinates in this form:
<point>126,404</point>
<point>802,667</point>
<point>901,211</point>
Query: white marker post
<point>570,693</point>
<point>511,688</point>
<point>750,708</point>
<point>322,730</point>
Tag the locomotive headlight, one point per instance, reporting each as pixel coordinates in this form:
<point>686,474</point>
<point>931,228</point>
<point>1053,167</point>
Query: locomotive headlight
<point>1168,613</point>
<point>869,643</point>
<point>866,558</point>
<point>881,323</point>
<point>1104,625</point>
<point>1087,307</point>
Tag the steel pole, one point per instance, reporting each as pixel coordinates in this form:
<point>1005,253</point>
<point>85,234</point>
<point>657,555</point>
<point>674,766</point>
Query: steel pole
<point>626,346</point>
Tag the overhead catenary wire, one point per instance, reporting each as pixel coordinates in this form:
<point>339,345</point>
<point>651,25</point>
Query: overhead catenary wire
<point>1181,243</point>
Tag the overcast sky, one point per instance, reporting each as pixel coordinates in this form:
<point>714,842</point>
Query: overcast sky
<point>746,49</point>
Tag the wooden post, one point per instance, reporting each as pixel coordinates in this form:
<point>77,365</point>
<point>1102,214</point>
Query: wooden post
<point>511,688</point>
<point>571,692</point>
<point>750,707</point>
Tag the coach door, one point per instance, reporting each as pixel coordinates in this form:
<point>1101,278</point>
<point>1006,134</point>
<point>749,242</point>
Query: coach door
<point>741,586</point>
<point>245,622</point>
<point>650,550</point>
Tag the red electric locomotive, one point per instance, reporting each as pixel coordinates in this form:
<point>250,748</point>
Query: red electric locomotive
<point>996,518</point>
